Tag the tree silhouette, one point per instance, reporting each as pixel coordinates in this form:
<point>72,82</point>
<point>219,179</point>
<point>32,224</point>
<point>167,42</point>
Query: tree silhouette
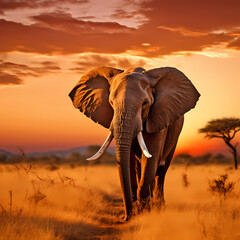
<point>225,128</point>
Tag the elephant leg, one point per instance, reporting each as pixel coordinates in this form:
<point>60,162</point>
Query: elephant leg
<point>138,171</point>
<point>133,174</point>
<point>159,180</point>
<point>155,144</point>
<point>169,148</point>
<point>159,200</point>
<point>146,184</point>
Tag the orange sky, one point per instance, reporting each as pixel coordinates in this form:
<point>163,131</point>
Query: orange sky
<point>45,46</point>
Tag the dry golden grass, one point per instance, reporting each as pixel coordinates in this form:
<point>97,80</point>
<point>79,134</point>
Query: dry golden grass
<point>193,212</point>
<point>85,203</point>
<point>63,204</point>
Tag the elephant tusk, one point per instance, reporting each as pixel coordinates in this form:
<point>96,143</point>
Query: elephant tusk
<point>143,145</point>
<point>102,149</point>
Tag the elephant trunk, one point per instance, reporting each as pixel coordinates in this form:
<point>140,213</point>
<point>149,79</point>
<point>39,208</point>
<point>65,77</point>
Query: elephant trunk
<point>123,159</point>
<point>124,132</point>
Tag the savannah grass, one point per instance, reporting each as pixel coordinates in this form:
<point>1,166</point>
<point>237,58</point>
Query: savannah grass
<point>40,202</point>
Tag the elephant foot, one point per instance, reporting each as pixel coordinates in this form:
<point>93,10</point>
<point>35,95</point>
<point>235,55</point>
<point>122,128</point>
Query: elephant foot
<point>127,218</point>
<point>159,204</point>
<point>133,213</point>
<point>143,205</point>
<point>158,200</point>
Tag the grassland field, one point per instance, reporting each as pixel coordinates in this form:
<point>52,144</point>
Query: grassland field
<point>84,202</point>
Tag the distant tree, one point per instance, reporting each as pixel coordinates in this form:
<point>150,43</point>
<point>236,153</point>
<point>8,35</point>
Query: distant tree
<point>225,128</point>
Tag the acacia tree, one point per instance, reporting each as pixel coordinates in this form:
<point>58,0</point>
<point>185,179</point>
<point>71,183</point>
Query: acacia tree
<point>225,128</point>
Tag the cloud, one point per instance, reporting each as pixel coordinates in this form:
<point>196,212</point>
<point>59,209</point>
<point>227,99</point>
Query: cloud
<point>9,79</point>
<point>186,27</point>
<point>205,15</point>
<point>120,13</point>
<point>164,42</point>
<point>74,36</point>
<point>13,73</point>
<point>129,15</point>
<point>88,61</point>
<point>235,44</point>
<point>60,20</point>
<point>63,37</point>
<point>24,70</point>
<point>33,4</point>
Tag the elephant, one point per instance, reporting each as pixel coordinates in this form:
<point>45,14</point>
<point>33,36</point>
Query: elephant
<point>144,111</point>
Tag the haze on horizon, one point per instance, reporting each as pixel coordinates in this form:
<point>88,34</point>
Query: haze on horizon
<point>45,46</point>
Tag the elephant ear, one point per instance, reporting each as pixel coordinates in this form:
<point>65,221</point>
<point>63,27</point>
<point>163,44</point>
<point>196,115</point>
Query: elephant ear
<point>91,94</point>
<point>174,95</point>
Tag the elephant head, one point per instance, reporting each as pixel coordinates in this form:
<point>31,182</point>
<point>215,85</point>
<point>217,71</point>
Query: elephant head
<point>129,101</point>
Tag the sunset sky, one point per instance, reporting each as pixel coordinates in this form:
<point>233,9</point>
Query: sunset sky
<point>45,46</point>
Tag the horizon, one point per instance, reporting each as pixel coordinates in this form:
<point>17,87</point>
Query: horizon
<point>19,151</point>
<point>46,47</point>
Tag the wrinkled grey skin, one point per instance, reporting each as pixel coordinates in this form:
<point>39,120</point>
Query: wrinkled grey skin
<point>131,101</point>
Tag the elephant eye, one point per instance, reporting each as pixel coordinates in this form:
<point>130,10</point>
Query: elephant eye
<point>145,102</point>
